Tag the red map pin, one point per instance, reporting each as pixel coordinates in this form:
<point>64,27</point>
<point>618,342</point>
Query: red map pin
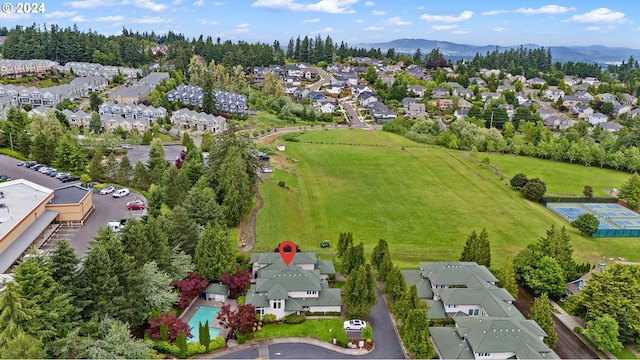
<point>287,251</point>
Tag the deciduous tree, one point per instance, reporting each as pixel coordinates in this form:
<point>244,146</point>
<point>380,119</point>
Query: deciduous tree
<point>240,320</point>
<point>415,334</point>
<point>630,191</point>
<point>238,282</point>
<point>518,181</point>
<point>379,252</point>
<point>189,288</point>
<point>359,292</point>
<point>408,301</point>
<point>507,278</point>
<point>604,331</point>
<point>395,285</point>
<point>173,324</point>
<point>587,223</point>
<point>534,189</point>
<point>352,258</point>
<point>157,292</point>
<point>345,240</point>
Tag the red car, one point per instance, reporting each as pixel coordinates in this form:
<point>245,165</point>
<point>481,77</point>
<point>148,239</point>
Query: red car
<point>135,205</point>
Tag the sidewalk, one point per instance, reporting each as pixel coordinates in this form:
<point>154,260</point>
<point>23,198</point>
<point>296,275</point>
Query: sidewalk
<point>263,343</point>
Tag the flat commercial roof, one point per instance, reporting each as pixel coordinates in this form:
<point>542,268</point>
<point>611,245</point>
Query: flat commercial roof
<point>72,194</point>
<point>19,197</point>
<point>22,243</point>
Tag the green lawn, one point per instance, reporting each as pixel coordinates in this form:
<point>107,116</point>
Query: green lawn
<point>561,178</point>
<point>311,328</point>
<point>424,201</point>
<point>624,354</point>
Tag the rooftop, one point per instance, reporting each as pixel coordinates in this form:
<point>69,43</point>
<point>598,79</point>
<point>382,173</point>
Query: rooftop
<point>19,197</point>
<point>72,194</point>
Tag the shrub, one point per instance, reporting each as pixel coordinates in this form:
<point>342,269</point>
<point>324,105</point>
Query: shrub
<point>578,330</point>
<point>367,332</point>
<point>241,338</point>
<point>281,183</point>
<point>240,300</point>
<point>486,160</point>
<point>342,338</point>
<point>518,181</point>
<point>294,319</point>
<point>269,318</point>
<point>255,133</point>
<point>217,343</point>
<point>534,189</point>
<point>586,223</point>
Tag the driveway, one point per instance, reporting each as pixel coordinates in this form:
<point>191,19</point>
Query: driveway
<point>106,208</point>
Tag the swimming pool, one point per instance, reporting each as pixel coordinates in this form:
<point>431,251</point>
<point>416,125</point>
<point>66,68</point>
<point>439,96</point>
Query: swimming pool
<point>203,314</point>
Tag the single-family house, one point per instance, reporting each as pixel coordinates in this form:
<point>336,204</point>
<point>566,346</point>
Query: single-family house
<point>570,101</point>
<point>464,104</point>
<point>522,98</point>
<point>596,118</point>
<point>417,89</point>
<point>620,109</point>
<point>584,95</point>
<point>569,80</point>
<point>359,89</point>
<point>502,88</point>
<point>444,104</point>
<point>462,93</point>
<point>439,92</point>
<point>509,108</point>
<point>552,94</point>
<point>459,113</point>
<point>581,111</point>
<point>610,126</point>
<point>366,98</point>
<point>280,146</point>
<point>536,81</point>
<point>477,81</point>
<point>326,105</point>
<point>591,81</point>
<point>487,95</point>
<point>300,287</point>
<point>629,99</point>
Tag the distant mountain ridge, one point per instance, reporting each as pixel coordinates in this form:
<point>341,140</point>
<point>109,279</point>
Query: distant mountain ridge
<point>590,54</point>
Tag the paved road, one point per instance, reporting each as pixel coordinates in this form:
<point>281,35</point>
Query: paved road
<point>569,346</point>
<point>107,207</point>
<point>325,79</point>
<point>353,115</point>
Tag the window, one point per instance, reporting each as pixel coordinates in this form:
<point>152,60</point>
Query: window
<point>484,354</point>
<point>260,311</point>
<point>473,312</point>
<point>277,304</point>
<point>312,292</point>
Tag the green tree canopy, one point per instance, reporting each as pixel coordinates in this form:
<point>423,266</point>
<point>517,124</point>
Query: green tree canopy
<point>604,331</point>
<point>541,313</point>
<point>359,292</point>
<point>415,334</point>
<point>214,253</point>
<point>630,191</point>
<point>477,249</point>
<point>587,223</point>
<point>534,189</point>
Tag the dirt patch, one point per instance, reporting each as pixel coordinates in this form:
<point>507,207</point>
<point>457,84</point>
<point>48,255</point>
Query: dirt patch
<point>247,233</point>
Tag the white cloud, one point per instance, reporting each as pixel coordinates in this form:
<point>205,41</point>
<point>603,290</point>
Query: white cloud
<point>369,3</point>
<point>60,14</point>
<point>117,18</point>
<point>89,4</point>
<point>494,12</point>
<point>396,21</point>
<point>326,6</point>
<point>465,15</point>
<point>146,4</point>
<point>460,32</point>
<point>593,28</point>
<point>311,21</point>
<point>151,20</point>
<point>378,12</point>
<point>326,31</point>
<point>359,21</point>
<point>217,3</point>
<point>443,27</point>
<point>374,28</point>
<point>421,7</point>
<point>198,3</point>
<point>11,16</point>
<point>242,28</point>
<point>207,22</point>
<point>601,15</point>
<point>78,18</point>
<point>498,29</point>
<point>547,9</point>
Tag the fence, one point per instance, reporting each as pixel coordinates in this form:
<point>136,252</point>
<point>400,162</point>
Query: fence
<point>617,233</point>
<point>561,199</point>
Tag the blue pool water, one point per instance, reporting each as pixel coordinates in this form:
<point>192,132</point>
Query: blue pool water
<point>203,314</point>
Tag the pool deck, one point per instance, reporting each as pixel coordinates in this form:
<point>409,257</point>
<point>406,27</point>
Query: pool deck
<point>191,310</point>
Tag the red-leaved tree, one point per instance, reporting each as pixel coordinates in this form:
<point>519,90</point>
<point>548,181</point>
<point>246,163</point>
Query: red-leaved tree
<point>189,288</point>
<point>238,282</point>
<point>174,324</point>
<point>240,321</point>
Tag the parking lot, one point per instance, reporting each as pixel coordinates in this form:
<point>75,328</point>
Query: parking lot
<point>106,207</point>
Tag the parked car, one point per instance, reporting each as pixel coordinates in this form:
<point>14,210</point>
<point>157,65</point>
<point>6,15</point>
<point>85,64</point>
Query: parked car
<point>35,166</point>
<point>61,175</point>
<point>135,205</point>
<point>5,178</point>
<point>120,193</point>
<point>44,169</point>
<point>354,325</point>
<point>117,225</point>
<point>127,146</point>
<point>107,190</point>
<point>21,163</point>
<point>49,171</point>
<point>53,173</point>
<point>71,178</point>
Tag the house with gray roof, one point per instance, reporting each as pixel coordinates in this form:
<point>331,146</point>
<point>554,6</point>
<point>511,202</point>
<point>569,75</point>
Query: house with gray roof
<point>302,286</point>
<point>190,119</point>
<point>487,325</point>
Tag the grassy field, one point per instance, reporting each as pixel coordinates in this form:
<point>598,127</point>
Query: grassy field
<point>424,201</point>
<point>561,178</point>
<point>317,328</point>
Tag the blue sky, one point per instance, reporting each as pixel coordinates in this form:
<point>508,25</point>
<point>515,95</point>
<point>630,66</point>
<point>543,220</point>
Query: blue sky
<point>544,23</point>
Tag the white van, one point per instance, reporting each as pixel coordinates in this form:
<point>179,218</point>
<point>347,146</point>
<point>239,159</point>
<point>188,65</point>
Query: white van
<point>120,193</point>
<point>116,225</point>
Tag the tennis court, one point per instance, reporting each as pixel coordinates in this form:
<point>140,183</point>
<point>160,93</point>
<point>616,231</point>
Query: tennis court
<point>611,216</point>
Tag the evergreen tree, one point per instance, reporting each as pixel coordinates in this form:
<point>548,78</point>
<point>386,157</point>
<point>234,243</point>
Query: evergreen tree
<point>507,278</point>
<point>385,267</point>
<point>395,285</point>
<point>176,184</point>
<point>17,314</point>
<point>208,96</point>
<point>214,253</point>
<point>541,313</point>
<point>477,249</point>
<point>234,186</point>
<point>181,229</point>
<point>407,302</point>
<point>125,171</point>
<point>379,253</point>
<point>353,258</point>
<point>96,169</point>
<point>140,176</point>
<point>23,346</point>
<point>202,206</point>
<point>359,292</point>
<point>157,162</point>
<point>415,334</point>
<point>345,240</point>
<point>63,263</point>
<point>111,167</point>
